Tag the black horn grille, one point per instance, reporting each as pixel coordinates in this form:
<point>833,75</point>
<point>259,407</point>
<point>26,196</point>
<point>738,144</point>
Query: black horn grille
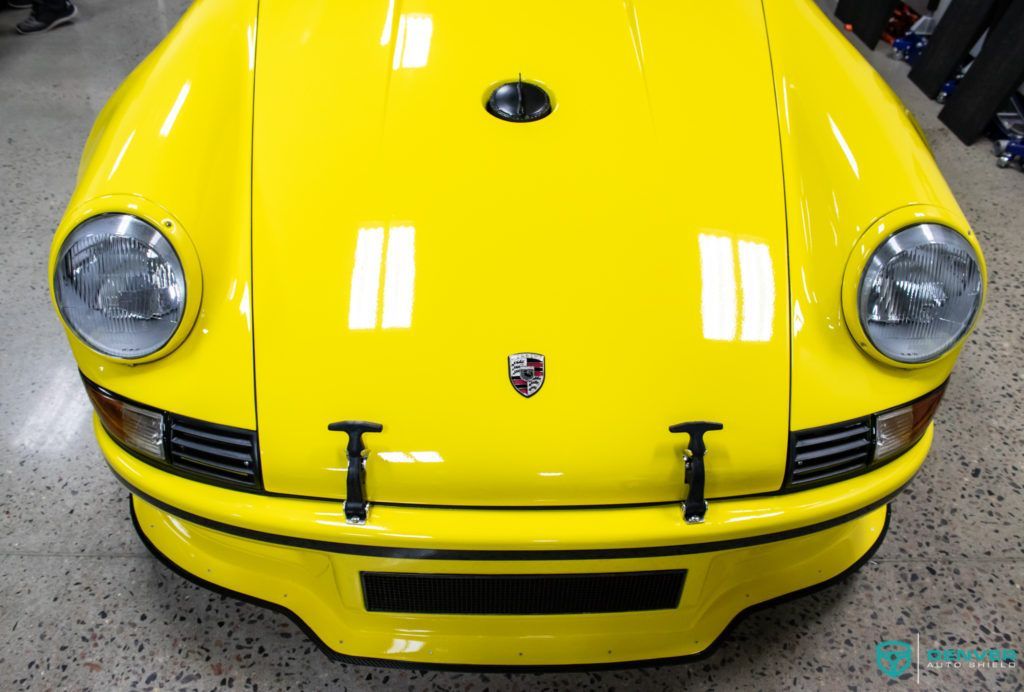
<point>214,451</point>
<point>830,453</point>
<point>521,594</point>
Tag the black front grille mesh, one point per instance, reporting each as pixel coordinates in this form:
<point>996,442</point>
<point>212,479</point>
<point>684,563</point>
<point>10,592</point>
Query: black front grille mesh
<point>829,453</point>
<point>521,594</point>
<point>214,451</point>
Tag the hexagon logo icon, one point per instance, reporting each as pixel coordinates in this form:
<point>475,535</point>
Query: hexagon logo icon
<point>893,657</point>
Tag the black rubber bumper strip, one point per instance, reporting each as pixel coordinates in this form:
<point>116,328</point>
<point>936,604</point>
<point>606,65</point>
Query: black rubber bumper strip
<point>413,665</point>
<point>506,555</point>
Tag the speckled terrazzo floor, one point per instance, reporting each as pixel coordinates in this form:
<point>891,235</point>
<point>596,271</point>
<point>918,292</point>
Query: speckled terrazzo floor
<point>84,606</point>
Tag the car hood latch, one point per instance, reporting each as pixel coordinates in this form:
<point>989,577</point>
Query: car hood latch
<point>695,506</point>
<point>356,506</point>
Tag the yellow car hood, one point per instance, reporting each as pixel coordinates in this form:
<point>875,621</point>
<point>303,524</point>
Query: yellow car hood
<point>406,243</point>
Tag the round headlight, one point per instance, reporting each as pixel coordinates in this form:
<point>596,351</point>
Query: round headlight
<point>920,293</point>
<point>120,286</point>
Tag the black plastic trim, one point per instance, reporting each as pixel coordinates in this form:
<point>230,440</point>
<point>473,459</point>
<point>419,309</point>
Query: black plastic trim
<point>183,425</point>
<point>519,508</point>
<point>410,665</point>
<point>793,482</point>
<point>473,602</point>
<point>695,506</point>
<point>505,555</point>
<point>356,504</point>
<point>519,102</point>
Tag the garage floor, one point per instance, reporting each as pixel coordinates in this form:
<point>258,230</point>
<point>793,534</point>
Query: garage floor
<point>84,606</point>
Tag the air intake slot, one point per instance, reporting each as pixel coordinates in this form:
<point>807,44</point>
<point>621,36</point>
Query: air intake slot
<point>213,451</point>
<point>830,453</point>
<point>522,594</point>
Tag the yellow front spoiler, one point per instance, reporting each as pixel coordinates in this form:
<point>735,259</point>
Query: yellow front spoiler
<point>321,592</point>
<point>298,555</point>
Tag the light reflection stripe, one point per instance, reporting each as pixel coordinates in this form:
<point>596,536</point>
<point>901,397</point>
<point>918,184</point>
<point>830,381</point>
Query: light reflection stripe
<point>385,34</point>
<point>396,62</point>
<point>758,285</point>
<point>718,288</point>
<point>412,46</point>
<point>427,457</point>
<point>399,277</point>
<point>172,115</point>
<point>362,308</point>
<point>120,155</point>
<point>847,152</point>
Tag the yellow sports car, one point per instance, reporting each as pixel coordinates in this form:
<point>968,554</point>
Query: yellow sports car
<point>512,333</point>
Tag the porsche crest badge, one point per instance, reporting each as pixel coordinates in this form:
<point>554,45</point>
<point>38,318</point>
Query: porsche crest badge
<point>526,372</point>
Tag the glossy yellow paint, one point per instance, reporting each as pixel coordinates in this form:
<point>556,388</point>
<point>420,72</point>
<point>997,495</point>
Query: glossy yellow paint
<point>426,241</point>
<point>512,529</point>
<point>654,295</point>
<point>323,588</point>
<point>852,154</point>
<point>174,142</point>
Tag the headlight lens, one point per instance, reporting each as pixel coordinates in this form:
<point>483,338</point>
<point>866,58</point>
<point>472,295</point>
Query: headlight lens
<point>120,286</point>
<point>920,293</point>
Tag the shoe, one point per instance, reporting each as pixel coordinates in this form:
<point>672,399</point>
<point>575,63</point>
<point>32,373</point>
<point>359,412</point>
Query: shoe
<point>43,19</point>
<point>19,4</point>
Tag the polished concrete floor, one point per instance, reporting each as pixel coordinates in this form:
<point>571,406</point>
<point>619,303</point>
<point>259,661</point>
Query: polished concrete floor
<point>84,606</point>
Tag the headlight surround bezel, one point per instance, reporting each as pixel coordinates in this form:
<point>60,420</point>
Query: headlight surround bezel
<point>877,236</point>
<point>171,230</point>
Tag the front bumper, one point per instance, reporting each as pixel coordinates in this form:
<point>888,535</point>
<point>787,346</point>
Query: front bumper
<point>300,556</point>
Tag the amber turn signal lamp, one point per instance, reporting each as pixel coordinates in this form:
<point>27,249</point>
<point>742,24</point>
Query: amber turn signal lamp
<point>140,430</point>
<point>899,429</point>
